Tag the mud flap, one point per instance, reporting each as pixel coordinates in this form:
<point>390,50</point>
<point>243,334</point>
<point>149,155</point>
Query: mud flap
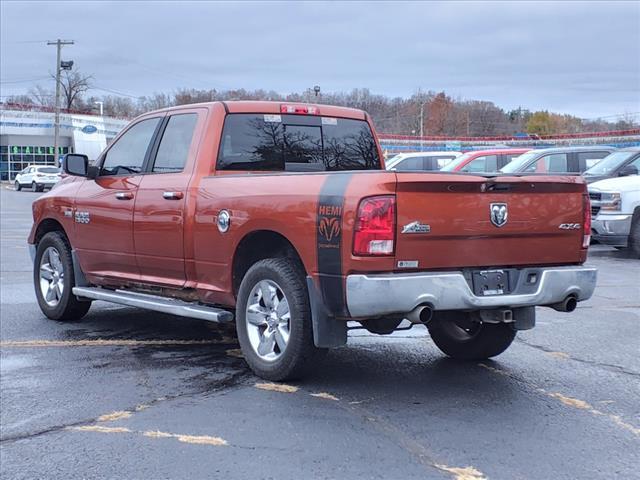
<point>327,331</point>
<point>524,318</point>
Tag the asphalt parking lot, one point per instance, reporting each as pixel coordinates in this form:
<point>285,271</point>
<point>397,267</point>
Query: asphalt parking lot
<point>132,394</point>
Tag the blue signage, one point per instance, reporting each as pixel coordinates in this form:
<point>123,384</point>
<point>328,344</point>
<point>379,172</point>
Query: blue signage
<point>89,129</point>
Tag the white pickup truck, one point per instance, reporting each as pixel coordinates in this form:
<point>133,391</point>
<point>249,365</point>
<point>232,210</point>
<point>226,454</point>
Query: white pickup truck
<point>615,212</point>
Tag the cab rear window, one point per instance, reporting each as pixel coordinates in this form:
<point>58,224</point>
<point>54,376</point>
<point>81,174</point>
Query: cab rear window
<point>296,143</point>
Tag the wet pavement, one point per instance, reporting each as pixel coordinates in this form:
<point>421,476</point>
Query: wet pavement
<point>131,394</point>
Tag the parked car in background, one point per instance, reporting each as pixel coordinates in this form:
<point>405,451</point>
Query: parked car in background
<point>484,160</point>
<point>615,212</point>
<point>573,160</point>
<point>37,178</point>
<point>620,163</point>
<point>421,160</point>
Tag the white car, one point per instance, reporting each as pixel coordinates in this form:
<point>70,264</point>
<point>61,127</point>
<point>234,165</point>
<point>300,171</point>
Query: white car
<point>615,212</point>
<point>37,178</point>
<point>421,160</point>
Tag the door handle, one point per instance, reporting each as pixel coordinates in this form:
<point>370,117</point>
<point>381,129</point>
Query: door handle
<point>172,195</point>
<point>124,195</point>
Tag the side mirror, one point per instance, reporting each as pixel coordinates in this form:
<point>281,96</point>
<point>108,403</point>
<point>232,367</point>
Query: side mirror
<point>76,164</point>
<point>628,170</point>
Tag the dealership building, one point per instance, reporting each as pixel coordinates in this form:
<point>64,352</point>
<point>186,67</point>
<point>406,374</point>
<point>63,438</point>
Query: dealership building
<point>27,137</point>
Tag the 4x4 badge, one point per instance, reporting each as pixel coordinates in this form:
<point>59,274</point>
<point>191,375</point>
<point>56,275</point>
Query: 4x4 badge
<point>498,214</point>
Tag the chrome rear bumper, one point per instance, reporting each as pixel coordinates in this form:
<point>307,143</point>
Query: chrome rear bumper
<point>378,295</point>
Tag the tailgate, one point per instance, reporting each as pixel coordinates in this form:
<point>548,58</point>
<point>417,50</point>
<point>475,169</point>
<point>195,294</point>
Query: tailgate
<point>472,221</point>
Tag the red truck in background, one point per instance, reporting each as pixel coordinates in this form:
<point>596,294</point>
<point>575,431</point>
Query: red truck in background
<point>283,216</point>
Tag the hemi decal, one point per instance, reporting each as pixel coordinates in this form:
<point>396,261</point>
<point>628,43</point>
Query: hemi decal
<point>329,240</point>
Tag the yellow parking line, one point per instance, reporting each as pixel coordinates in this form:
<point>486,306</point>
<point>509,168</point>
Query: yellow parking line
<point>108,343</point>
<point>193,439</point>
<point>110,417</point>
<point>325,395</point>
<point>464,473</point>
<point>573,403</point>
<point>277,387</point>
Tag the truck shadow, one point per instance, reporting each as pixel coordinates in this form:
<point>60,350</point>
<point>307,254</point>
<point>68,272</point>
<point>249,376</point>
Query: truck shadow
<point>371,367</point>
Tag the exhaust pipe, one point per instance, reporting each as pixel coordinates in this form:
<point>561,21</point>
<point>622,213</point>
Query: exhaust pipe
<point>569,304</point>
<point>422,314</point>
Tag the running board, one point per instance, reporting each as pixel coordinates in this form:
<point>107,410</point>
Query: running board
<point>171,306</point>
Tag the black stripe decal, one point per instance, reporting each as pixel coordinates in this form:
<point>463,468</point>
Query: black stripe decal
<point>329,241</point>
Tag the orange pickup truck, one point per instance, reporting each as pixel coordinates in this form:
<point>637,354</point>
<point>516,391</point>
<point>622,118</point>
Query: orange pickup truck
<point>283,217</point>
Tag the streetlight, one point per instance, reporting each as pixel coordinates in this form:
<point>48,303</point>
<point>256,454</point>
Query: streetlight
<point>101,106</point>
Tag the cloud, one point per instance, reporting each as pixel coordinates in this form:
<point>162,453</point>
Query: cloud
<point>576,57</point>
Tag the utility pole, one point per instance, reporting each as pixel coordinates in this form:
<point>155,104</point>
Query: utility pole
<point>422,104</point>
<point>56,125</point>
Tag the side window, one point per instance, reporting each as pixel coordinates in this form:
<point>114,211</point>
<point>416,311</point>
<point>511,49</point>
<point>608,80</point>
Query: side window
<point>510,156</point>
<point>590,158</point>
<point>411,163</point>
<point>556,162</point>
<point>176,141</point>
<point>126,156</point>
<point>636,163</point>
<point>486,163</point>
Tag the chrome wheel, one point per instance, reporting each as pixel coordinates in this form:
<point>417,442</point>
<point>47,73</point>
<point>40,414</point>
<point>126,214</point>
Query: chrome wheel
<point>268,320</point>
<point>51,276</point>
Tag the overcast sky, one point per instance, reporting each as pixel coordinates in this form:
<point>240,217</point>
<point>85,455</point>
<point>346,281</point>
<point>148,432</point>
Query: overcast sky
<point>575,57</point>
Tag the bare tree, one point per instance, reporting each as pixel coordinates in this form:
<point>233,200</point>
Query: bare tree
<point>42,96</point>
<point>73,85</point>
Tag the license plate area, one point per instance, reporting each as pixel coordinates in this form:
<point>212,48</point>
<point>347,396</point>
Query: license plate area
<point>491,282</point>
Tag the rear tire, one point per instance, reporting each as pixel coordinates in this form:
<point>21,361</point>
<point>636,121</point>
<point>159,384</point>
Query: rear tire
<point>273,306</point>
<point>53,279</point>
<point>34,187</point>
<point>460,338</point>
<point>17,186</point>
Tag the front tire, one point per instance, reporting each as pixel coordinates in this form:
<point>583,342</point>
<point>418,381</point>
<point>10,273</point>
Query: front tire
<point>273,320</point>
<point>17,186</point>
<point>456,335</point>
<point>53,278</point>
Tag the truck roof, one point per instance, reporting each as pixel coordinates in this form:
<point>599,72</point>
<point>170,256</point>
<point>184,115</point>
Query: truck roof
<point>254,106</point>
<point>541,151</point>
<point>497,151</point>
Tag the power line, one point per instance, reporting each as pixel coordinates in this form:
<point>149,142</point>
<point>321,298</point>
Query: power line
<point>26,80</point>
<point>109,90</point>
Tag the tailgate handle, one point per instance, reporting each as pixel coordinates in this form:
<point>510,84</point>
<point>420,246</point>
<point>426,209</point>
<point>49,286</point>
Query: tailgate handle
<point>172,195</point>
<point>498,187</point>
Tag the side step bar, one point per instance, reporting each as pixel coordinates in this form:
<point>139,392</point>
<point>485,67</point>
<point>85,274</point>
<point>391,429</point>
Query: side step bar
<point>171,306</point>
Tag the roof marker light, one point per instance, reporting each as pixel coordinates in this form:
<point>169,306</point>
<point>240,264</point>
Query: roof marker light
<point>300,109</point>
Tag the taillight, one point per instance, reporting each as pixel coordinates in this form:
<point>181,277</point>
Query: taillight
<point>375,228</point>
<point>300,109</point>
<point>586,220</point>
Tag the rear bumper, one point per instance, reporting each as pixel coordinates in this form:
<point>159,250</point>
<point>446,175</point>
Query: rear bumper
<point>611,229</point>
<point>379,295</point>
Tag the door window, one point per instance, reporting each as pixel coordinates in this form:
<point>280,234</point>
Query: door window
<point>556,162</point>
<point>486,163</point>
<point>589,159</point>
<point>411,163</point>
<point>127,154</point>
<point>176,141</point>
